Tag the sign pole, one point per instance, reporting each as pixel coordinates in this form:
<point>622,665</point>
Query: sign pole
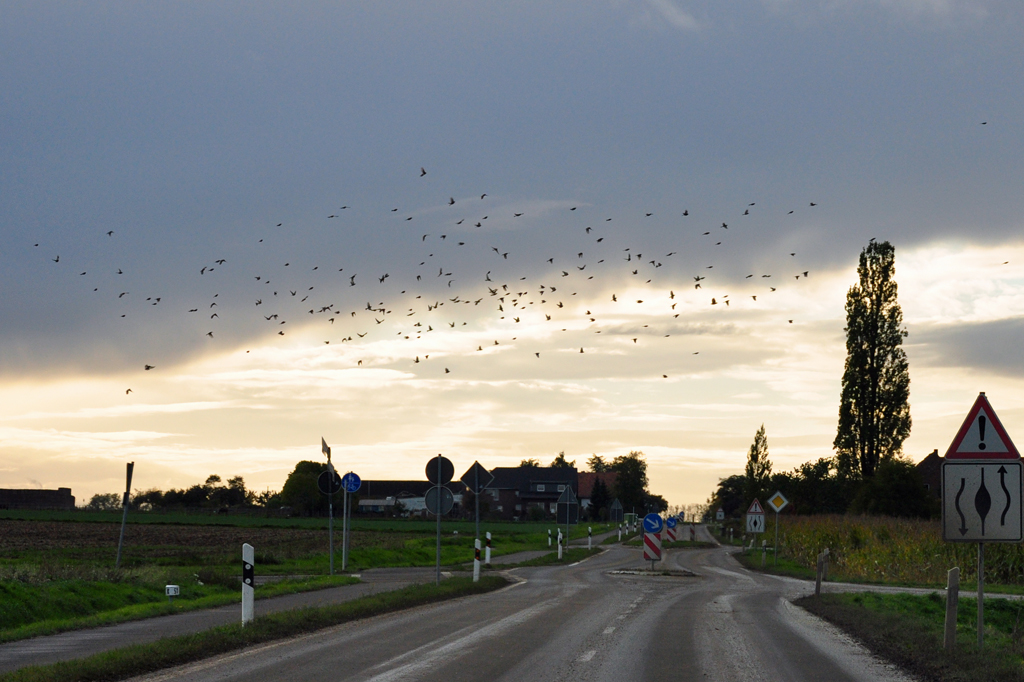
<point>330,516</point>
<point>437,576</point>
<point>476,499</point>
<point>124,515</point>
<point>776,537</point>
<point>981,594</point>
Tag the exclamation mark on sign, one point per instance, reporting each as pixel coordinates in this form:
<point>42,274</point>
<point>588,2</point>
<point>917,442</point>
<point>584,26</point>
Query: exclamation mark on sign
<point>981,432</point>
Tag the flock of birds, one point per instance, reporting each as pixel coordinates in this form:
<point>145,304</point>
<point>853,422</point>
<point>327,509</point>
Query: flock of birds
<point>433,294</point>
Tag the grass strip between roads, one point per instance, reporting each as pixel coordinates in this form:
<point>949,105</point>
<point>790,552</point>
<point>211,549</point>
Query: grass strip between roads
<point>139,659</point>
<point>125,614</point>
<point>907,629</point>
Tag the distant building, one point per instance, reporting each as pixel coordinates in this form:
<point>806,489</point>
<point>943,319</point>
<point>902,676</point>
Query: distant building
<point>587,481</point>
<point>516,490</point>
<point>382,497</point>
<point>930,469</point>
<point>61,498</point>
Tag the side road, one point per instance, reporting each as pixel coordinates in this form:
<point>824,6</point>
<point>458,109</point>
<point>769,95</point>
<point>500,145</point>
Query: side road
<point>81,643</point>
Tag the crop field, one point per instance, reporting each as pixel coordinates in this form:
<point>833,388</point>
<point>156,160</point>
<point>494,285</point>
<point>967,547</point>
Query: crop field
<point>887,550</point>
<point>58,574</point>
<point>64,548</point>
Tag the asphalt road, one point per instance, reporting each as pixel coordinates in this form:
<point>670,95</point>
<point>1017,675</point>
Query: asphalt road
<point>580,622</point>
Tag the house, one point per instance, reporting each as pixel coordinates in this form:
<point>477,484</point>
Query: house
<point>930,470</point>
<point>516,492</point>
<point>587,481</point>
<point>61,498</point>
<point>381,497</point>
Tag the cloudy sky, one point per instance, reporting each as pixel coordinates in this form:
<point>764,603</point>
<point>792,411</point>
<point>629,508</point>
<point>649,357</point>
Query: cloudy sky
<point>232,194</point>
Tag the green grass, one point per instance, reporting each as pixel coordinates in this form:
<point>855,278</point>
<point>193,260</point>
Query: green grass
<point>785,566</point>
<point>33,610</point>
<point>145,658</point>
<point>908,630</point>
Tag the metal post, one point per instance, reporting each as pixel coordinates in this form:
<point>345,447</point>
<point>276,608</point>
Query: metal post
<point>124,515</point>
<point>437,577</point>
<point>981,594</point>
<point>952,602</point>
<point>776,538</point>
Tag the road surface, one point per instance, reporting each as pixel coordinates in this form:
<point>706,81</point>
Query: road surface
<point>581,622</point>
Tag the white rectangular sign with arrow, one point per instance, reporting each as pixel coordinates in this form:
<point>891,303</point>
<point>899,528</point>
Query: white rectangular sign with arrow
<point>981,501</point>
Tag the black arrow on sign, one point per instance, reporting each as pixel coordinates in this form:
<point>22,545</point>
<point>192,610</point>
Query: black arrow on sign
<point>963,521</point>
<point>1002,482</point>
<point>983,501</point>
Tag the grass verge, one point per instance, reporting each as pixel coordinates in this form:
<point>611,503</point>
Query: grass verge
<point>908,629</point>
<point>140,659</point>
<point>52,626</point>
<point>785,566</point>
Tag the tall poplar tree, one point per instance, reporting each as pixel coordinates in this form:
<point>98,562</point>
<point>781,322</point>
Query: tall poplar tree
<point>759,467</point>
<point>874,412</point>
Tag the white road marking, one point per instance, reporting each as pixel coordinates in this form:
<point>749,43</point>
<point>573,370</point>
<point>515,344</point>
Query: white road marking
<point>622,617</point>
<point>608,631</point>
<point>587,656</point>
<point>427,656</point>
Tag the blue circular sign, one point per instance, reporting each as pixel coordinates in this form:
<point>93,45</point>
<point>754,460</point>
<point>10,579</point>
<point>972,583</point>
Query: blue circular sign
<point>671,522</point>
<point>351,482</point>
<point>653,523</point>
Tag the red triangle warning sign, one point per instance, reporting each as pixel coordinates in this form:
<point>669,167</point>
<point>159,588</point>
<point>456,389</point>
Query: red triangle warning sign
<point>982,435</point>
<point>755,508</point>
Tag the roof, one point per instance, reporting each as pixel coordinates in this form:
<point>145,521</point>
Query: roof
<point>587,480</point>
<point>520,478</point>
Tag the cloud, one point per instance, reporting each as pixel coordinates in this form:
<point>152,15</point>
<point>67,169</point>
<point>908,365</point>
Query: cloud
<point>989,347</point>
<point>674,15</point>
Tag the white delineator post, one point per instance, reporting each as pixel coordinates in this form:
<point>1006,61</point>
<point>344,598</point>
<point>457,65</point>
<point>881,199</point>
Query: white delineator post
<point>549,537</point>
<point>952,602</point>
<point>248,583</point>
<point>590,538</point>
<point>559,544</point>
<point>620,532</point>
<point>487,550</point>
<point>476,560</point>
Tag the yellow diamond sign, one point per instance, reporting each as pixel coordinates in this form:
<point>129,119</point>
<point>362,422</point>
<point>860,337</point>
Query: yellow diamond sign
<point>777,502</point>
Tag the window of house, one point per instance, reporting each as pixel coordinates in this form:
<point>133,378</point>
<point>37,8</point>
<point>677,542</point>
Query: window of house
<point>554,508</point>
<point>494,494</point>
<point>561,488</point>
<point>540,487</point>
<point>519,507</point>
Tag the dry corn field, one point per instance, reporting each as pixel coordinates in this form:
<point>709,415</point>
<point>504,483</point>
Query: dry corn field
<point>880,549</point>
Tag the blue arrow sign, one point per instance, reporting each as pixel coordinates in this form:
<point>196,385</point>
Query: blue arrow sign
<point>671,522</point>
<point>351,482</point>
<point>653,523</point>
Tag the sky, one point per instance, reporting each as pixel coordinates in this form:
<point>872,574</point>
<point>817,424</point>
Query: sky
<point>477,229</point>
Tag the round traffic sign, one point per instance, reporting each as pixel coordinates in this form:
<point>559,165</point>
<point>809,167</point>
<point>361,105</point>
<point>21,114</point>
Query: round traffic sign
<point>439,500</point>
<point>653,523</point>
<point>351,482</point>
<point>671,522</point>
<point>327,484</point>
<point>440,470</point>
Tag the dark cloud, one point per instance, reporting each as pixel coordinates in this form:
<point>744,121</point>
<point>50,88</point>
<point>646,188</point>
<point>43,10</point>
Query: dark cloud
<point>986,347</point>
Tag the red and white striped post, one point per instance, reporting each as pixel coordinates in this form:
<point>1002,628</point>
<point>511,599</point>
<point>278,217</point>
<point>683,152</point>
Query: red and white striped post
<point>652,548</point>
